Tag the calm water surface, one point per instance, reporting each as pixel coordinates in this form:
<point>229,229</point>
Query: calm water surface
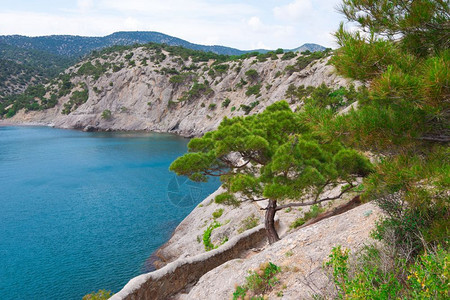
<point>83,211</point>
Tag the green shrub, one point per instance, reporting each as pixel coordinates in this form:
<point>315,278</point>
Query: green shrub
<point>226,102</point>
<point>207,236</point>
<point>253,90</point>
<point>375,276</point>
<point>288,55</point>
<point>197,90</point>
<point>106,114</point>
<point>311,214</point>
<point>129,56</point>
<point>252,74</point>
<point>259,282</point>
<point>77,99</point>
<point>217,213</point>
<point>248,108</point>
<point>212,106</point>
<point>248,223</point>
<point>100,295</point>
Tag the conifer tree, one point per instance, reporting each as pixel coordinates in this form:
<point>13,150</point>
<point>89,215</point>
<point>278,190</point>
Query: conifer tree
<point>271,156</point>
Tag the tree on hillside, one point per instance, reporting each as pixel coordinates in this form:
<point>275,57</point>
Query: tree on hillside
<point>405,58</point>
<point>401,50</point>
<point>271,156</point>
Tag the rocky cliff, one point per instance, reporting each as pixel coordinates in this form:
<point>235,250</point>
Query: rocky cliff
<point>151,89</point>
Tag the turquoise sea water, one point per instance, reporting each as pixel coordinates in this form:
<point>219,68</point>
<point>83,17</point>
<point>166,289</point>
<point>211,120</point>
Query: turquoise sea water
<point>84,211</point>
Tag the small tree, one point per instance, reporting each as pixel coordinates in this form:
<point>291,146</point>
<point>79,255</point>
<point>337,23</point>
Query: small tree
<point>270,156</point>
<point>252,75</point>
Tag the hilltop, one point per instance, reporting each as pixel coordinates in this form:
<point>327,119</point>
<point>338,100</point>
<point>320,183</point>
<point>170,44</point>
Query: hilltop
<point>28,61</point>
<point>170,89</point>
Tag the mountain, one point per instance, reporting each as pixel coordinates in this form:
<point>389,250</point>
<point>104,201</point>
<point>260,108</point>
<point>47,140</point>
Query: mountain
<point>308,47</point>
<point>20,67</point>
<point>28,61</point>
<point>77,46</point>
<point>163,88</point>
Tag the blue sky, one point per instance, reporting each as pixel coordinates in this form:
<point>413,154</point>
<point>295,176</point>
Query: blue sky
<point>245,24</point>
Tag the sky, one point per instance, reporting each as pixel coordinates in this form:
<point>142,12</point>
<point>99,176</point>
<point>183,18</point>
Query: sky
<point>245,24</point>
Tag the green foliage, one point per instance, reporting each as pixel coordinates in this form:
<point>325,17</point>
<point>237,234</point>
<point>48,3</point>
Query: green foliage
<point>247,108</point>
<point>129,56</point>
<point>99,295</point>
<point>182,78</point>
<point>376,276</point>
<point>252,74</point>
<point>217,213</point>
<point>288,55</point>
<point>88,69</point>
<point>207,236</point>
<point>422,25</point>
<point>196,91</point>
<point>258,282</point>
<point>314,211</point>
<point>212,106</point>
<point>226,102</point>
<point>248,223</point>
<point>106,114</point>
<point>253,90</point>
<point>276,139</point>
<point>221,68</point>
<point>227,199</point>
<point>23,67</point>
<point>303,61</point>
<point>77,99</point>
<point>419,208</point>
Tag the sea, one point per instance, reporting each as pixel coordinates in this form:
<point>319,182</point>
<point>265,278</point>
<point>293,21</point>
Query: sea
<point>83,211</point>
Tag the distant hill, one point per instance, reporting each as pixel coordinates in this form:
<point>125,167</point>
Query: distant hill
<point>77,46</point>
<point>32,60</point>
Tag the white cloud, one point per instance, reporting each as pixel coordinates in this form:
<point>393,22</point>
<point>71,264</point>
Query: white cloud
<point>230,23</point>
<point>255,23</point>
<point>85,5</point>
<point>293,10</point>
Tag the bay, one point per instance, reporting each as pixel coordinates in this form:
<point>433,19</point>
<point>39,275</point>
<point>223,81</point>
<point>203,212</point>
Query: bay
<point>83,211</point>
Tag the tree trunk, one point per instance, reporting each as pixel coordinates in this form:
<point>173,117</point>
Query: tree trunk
<point>269,222</point>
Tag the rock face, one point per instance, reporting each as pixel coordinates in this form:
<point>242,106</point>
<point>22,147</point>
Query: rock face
<point>140,94</point>
<point>187,239</point>
<point>300,255</point>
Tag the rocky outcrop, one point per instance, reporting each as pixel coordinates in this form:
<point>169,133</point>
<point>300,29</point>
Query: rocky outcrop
<point>300,254</point>
<point>140,94</point>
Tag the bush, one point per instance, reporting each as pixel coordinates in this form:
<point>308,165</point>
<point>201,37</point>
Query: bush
<point>226,102</point>
<point>311,214</point>
<point>258,282</point>
<point>374,275</point>
<point>197,90</point>
<point>248,223</point>
<point>217,213</point>
<point>253,90</point>
<point>77,99</point>
<point>100,295</point>
<point>106,114</point>
<point>252,74</point>
<point>248,108</point>
<point>288,55</point>
<point>212,106</point>
<point>207,237</point>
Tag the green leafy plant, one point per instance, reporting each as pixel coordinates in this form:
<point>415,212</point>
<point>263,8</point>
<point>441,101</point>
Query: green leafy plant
<point>258,282</point>
<point>248,223</point>
<point>217,213</point>
<point>106,114</point>
<point>207,236</point>
<point>311,214</point>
